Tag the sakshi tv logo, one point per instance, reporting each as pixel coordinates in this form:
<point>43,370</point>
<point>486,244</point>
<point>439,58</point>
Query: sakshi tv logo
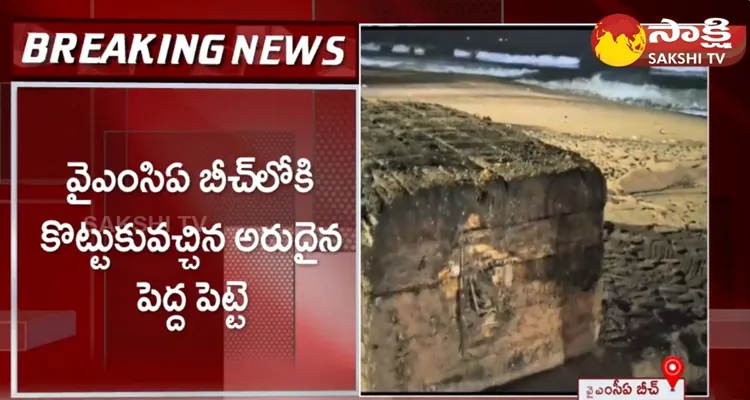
<point>619,40</point>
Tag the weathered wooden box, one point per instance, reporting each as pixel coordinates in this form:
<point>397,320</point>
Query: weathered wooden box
<point>481,251</point>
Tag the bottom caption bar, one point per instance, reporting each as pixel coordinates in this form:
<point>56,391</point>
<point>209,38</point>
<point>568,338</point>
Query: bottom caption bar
<point>627,389</point>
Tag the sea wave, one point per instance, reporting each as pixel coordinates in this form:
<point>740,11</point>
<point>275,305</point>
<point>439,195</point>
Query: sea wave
<point>445,67</point>
<point>528,60</point>
<point>370,46</point>
<point>694,72</point>
<point>686,101</point>
<point>544,60</point>
<point>533,70</point>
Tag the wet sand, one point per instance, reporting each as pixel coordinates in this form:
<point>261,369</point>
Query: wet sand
<point>655,163</point>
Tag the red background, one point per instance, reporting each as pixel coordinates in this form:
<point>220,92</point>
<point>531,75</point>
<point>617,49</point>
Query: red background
<point>729,122</point>
<point>345,73</point>
<point>285,345</point>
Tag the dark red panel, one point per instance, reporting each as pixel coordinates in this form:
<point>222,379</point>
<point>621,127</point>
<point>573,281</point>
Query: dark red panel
<point>412,11</point>
<point>288,343</point>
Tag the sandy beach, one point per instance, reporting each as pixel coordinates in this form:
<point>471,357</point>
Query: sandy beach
<point>655,163</point>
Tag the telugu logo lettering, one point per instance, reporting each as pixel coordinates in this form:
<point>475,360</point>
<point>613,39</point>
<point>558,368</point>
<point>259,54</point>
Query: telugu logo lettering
<point>620,41</point>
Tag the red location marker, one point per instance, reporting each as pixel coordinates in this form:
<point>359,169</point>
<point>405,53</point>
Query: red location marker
<point>672,368</point>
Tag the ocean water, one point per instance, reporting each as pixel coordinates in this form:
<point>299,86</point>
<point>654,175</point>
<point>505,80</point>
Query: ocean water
<point>677,89</point>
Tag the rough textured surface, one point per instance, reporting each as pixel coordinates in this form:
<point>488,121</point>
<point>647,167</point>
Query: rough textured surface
<point>654,306</point>
<point>481,251</point>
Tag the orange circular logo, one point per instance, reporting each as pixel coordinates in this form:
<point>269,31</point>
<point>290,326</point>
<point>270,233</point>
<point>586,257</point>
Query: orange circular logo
<point>618,40</point>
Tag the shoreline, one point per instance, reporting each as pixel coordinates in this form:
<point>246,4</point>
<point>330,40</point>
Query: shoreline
<point>400,85</point>
<point>374,77</point>
<point>655,161</point>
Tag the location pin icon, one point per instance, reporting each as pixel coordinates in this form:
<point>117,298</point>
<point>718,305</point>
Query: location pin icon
<point>672,368</point>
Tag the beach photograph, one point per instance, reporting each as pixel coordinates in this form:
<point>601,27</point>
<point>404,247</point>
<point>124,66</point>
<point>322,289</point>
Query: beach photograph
<point>530,216</point>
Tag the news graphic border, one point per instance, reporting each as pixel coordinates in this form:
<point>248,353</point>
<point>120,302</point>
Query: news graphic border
<point>14,201</point>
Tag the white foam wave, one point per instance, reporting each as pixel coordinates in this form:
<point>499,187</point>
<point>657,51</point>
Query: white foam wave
<point>543,61</point>
<point>381,63</point>
<point>523,67</point>
<point>445,68</point>
<point>538,61</point>
<point>697,72</point>
<point>370,46</point>
<point>400,49</point>
<point>462,54</point>
<point>688,101</point>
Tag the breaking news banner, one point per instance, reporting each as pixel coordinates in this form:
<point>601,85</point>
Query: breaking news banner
<point>670,387</point>
<point>620,40</point>
<point>186,206</point>
<point>146,50</point>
